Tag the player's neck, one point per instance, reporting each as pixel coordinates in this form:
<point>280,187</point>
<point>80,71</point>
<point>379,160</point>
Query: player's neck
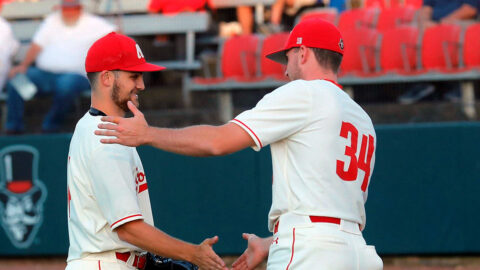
<point>330,76</point>
<point>313,71</point>
<point>107,106</point>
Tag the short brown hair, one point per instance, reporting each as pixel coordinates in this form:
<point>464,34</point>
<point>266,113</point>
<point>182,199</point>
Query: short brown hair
<point>92,78</point>
<point>328,59</point>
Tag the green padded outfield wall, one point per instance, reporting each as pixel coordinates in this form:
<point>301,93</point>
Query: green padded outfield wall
<point>424,195</point>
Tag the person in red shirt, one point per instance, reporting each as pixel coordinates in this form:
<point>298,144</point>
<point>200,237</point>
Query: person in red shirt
<point>175,6</point>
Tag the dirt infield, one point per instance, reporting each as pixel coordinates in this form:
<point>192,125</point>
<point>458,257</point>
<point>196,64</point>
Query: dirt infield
<point>391,263</point>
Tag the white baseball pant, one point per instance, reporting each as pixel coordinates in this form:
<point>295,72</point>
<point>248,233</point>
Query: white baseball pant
<point>99,261</point>
<point>301,244</point>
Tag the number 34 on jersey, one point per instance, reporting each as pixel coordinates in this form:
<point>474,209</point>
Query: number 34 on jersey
<point>360,161</point>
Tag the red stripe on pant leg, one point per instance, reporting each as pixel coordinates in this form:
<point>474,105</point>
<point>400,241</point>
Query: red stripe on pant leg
<point>293,249</point>
<point>99,267</point>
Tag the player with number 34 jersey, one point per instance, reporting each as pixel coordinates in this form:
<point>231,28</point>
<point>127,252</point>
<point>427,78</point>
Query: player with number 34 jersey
<point>314,143</point>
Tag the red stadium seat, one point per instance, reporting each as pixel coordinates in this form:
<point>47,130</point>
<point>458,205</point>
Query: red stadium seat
<point>238,60</point>
<point>239,57</point>
<point>414,3</point>
<point>359,56</point>
<point>376,4</point>
<point>398,50</point>
<point>356,18</point>
<point>328,14</point>
<point>268,67</point>
<point>440,47</point>
<point>471,46</point>
<point>393,17</point>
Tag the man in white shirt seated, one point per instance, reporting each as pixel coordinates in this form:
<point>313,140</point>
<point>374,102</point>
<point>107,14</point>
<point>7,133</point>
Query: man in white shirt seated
<point>58,48</point>
<point>7,50</point>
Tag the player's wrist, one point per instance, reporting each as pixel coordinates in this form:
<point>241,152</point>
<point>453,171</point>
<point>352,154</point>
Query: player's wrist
<point>191,253</point>
<point>149,136</point>
<point>267,242</point>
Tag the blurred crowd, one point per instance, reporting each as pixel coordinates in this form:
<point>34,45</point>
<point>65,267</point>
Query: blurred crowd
<point>54,62</point>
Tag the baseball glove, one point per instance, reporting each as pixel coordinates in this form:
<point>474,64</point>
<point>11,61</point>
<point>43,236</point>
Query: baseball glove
<point>155,262</point>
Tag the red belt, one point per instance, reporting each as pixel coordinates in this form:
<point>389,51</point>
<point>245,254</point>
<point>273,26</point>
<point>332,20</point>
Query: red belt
<point>138,262</point>
<point>316,219</point>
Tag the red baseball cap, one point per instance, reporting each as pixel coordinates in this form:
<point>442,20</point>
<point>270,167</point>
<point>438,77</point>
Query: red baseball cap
<point>117,52</point>
<point>313,33</point>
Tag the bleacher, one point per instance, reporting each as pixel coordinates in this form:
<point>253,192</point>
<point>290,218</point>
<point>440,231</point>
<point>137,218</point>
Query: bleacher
<point>383,46</point>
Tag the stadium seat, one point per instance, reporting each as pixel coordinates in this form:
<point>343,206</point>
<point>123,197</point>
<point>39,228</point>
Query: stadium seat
<point>394,17</point>
<point>238,60</point>
<point>376,4</point>
<point>398,50</point>
<point>328,14</point>
<point>440,47</point>
<point>360,50</point>
<point>239,57</point>
<point>269,68</point>
<point>471,46</point>
<point>416,4</point>
<point>356,18</point>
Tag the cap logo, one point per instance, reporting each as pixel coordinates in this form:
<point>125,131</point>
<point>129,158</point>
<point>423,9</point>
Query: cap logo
<point>340,44</point>
<point>139,52</point>
<point>299,40</point>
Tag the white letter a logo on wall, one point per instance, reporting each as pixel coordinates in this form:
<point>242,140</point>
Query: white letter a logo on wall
<point>139,52</point>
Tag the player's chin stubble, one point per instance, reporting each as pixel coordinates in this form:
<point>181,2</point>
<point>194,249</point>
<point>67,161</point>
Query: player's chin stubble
<point>121,102</point>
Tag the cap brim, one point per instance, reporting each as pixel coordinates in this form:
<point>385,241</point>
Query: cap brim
<point>278,56</point>
<point>145,67</point>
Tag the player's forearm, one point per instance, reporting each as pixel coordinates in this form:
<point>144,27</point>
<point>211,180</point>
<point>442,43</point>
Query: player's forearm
<point>146,237</point>
<point>199,140</point>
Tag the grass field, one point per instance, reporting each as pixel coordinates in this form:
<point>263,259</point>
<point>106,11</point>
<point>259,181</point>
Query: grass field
<point>391,263</point>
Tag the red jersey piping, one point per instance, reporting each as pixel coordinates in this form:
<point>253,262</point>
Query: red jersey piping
<point>341,87</point>
<point>293,249</point>
<point>138,215</point>
<point>243,124</point>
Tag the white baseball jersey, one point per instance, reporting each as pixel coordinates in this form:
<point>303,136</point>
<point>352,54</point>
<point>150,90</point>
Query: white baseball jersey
<point>322,146</point>
<point>107,187</point>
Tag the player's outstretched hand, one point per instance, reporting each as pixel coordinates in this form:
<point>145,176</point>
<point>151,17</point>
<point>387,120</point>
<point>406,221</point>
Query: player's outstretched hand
<point>127,131</point>
<point>256,252</point>
<point>205,258</point>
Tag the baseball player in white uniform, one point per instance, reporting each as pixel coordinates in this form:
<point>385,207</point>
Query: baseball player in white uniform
<point>110,220</point>
<point>323,154</point>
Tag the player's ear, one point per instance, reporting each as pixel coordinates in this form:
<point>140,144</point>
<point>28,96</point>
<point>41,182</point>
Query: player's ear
<point>304,53</point>
<point>106,78</point>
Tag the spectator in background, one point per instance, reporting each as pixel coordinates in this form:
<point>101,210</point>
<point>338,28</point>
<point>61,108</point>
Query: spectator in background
<point>433,12</point>
<point>172,7</point>
<point>447,11</point>
<point>245,18</point>
<point>175,6</point>
<point>289,7</point>
<point>7,50</point>
<point>58,48</point>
